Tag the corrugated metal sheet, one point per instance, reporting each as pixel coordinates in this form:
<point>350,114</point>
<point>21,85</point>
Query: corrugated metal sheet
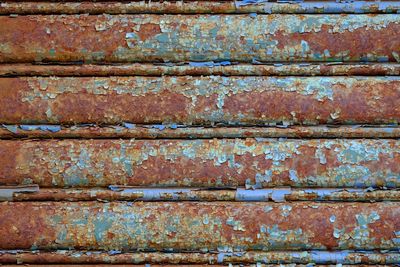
<point>196,133</point>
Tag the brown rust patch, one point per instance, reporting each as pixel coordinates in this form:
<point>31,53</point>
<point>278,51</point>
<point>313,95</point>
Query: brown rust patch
<point>24,225</point>
<point>148,31</point>
<point>203,162</point>
<point>158,226</point>
<point>205,100</point>
<point>102,39</point>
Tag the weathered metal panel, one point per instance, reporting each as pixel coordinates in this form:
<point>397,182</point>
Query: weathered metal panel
<point>199,7</point>
<point>203,163</point>
<point>200,100</point>
<point>207,201</point>
<point>249,257</point>
<point>199,226</point>
<point>209,68</point>
<point>173,131</point>
<point>149,38</point>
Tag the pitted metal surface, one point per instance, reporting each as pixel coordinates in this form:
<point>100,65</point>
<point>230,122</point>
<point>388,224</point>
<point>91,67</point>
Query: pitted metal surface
<point>199,38</point>
<point>240,133</point>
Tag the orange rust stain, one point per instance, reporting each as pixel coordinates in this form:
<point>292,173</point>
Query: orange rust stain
<point>355,41</point>
<point>148,31</point>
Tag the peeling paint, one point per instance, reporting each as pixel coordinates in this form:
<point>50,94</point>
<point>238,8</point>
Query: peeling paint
<point>201,163</point>
<point>331,37</point>
<point>180,226</point>
<point>191,100</point>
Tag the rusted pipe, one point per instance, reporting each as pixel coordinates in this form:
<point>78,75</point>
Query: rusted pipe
<point>249,257</point>
<point>121,265</point>
<point>196,7</point>
<point>8,193</point>
<point>220,38</point>
<point>118,193</point>
<point>201,226</point>
<point>191,265</point>
<point>173,131</point>
<point>254,163</point>
<point>200,100</point>
<point>302,69</point>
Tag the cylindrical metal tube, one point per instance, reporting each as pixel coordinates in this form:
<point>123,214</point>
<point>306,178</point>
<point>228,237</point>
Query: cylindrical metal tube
<point>220,38</point>
<point>199,226</point>
<point>253,163</point>
<point>148,69</point>
<point>249,257</point>
<point>200,100</point>
<point>198,7</point>
<point>118,193</point>
<point>171,131</point>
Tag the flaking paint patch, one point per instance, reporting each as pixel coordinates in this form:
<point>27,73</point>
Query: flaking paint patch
<point>249,162</point>
<point>360,235</point>
<point>208,99</point>
<point>197,38</point>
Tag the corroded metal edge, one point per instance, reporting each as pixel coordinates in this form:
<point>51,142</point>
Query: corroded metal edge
<point>208,68</point>
<point>193,7</point>
<point>276,257</point>
<point>171,131</point>
<point>119,193</point>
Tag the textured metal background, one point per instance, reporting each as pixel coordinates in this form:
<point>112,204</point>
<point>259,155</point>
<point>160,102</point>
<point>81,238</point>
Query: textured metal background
<point>196,133</point>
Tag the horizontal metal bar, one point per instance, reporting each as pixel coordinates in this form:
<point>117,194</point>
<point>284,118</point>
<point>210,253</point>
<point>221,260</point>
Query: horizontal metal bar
<point>251,257</point>
<point>172,265</point>
<point>201,100</point>
<point>193,7</point>
<point>124,265</point>
<point>144,69</point>
<point>254,163</point>
<point>173,131</point>
<point>201,194</point>
<point>7,192</point>
<point>220,38</point>
<point>200,226</point>
<point>134,265</point>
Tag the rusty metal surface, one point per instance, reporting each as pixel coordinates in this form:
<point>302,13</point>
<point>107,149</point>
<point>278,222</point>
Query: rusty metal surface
<point>200,100</point>
<point>291,69</point>
<point>172,131</point>
<point>7,192</point>
<point>118,193</point>
<point>349,257</point>
<point>266,133</point>
<point>191,265</point>
<point>120,265</point>
<point>184,265</point>
<point>165,265</point>
<point>150,38</point>
<point>199,226</point>
<point>202,163</point>
<point>196,7</point>
<point>249,257</point>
